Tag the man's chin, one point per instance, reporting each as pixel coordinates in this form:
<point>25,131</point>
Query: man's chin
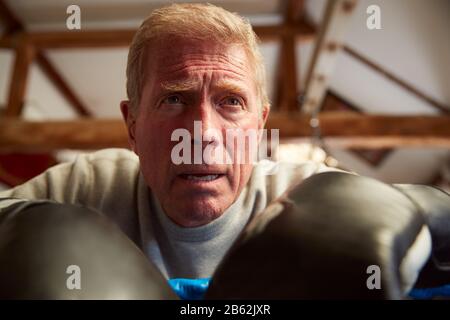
<point>198,213</point>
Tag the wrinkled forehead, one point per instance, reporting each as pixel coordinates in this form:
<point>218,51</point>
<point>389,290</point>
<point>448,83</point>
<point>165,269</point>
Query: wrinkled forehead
<point>171,56</point>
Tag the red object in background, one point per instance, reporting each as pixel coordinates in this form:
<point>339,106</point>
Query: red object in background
<point>16,168</point>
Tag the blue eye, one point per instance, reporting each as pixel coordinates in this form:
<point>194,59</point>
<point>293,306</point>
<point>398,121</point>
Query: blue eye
<point>173,99</point>
<point>232,101</point>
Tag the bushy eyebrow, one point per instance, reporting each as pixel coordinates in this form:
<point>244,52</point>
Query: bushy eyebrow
<point>181,85</point>
<point>229,85</point>
<point>194,84</point>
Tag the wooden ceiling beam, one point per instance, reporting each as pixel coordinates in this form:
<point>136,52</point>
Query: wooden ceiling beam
<point>294,11</point>
<point>17,87</point>
<point>26,136</point>
<point>340,129</point>
<point>122,38</point>
<point>302,30</point>
<point>287,82</point>
<point>355,130</point>
<point>329,41</point>
<point>10,21</point>
<point>17,39</point>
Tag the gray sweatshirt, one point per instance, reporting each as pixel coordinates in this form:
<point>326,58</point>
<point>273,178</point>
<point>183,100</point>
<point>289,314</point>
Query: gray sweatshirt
<point>110,182</point>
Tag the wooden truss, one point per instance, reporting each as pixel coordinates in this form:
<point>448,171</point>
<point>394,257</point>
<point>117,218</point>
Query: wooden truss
<point>294,107</point>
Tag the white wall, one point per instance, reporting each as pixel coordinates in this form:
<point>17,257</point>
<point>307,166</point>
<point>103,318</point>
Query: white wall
<point>413,44</point>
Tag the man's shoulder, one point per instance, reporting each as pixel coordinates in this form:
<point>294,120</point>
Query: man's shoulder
<point>82,179</point>
<point>111,155</point>
<point>105,160</point>
<point>277,177</point>
<point>108,166</point>
<point>291,170</point>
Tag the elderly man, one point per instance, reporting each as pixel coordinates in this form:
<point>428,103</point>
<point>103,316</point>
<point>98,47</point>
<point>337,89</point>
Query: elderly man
<point>188,64</point>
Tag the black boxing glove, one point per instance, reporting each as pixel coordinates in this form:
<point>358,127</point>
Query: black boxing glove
<point>43,245</point>
<point>320,240</point>
<point>435,205</point>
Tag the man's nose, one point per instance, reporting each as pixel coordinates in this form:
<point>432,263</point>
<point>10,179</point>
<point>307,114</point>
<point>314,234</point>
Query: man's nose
<point>204,124</point>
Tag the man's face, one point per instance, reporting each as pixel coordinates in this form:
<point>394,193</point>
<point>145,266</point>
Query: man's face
<point>187,81</point>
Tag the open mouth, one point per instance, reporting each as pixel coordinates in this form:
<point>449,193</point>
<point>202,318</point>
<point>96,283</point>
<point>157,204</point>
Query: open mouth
<point>201,176</point>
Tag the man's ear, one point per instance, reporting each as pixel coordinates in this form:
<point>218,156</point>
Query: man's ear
<point>264,115</point>
<point>262,120</point>
<point>130,121</point>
